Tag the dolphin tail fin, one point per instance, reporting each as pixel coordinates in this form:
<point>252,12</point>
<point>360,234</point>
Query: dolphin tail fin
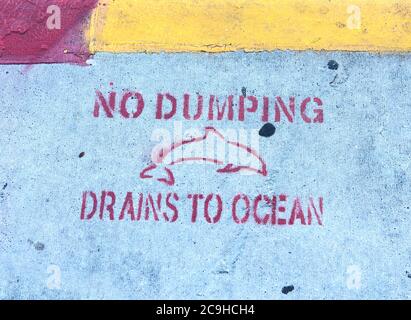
<point>161,174</point>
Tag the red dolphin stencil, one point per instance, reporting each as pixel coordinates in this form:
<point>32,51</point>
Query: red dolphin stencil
<point>168,157</point>
<point>27,36</point>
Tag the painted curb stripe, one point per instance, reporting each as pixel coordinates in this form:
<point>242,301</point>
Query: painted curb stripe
<point>229,25</point>
<point>200,26</point>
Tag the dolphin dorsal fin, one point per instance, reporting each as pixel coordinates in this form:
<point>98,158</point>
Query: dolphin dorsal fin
<point>213,131</point>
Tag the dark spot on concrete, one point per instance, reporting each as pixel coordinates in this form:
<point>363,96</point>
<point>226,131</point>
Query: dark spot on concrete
<point>222,272</point>
<point>408,274</point>
<point>5,186</point>
<point>39,246</point>
<point>81,155</point>
<point>244,91</point>
<point>333,80</point>
<point>267,130</point>
<point>287,289</point>
<point>332,65</point>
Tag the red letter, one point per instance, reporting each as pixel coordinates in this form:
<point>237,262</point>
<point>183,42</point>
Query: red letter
<point>280,103</point>
<point>159,112</point>
<point>110,206</point>
<point>267,216</point>
<point>195,198</point>
<point>123,104</point>
<point>128,206</point>
<point>253,108</point>
<point>107,107</point>
<point>219,209</point>
<point>283,198</point>
<point>172,207</point>
<point>220,112</point>
<point>297,212</point>
<point>83,205</point>
<point>319,112</point>
<point>319,218</point>
<point>186,111</point>
<point>140,206</point>
<point>247,208</point>
<point>265,109</point>
<point>150,201</point>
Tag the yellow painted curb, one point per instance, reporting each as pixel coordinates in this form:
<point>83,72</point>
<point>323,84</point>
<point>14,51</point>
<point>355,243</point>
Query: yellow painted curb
<point>250,25</point>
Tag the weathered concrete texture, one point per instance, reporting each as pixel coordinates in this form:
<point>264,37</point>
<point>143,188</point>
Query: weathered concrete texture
<point>53,149</point>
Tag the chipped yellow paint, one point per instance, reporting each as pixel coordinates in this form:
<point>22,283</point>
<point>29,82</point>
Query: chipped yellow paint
<point>250,25</point>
